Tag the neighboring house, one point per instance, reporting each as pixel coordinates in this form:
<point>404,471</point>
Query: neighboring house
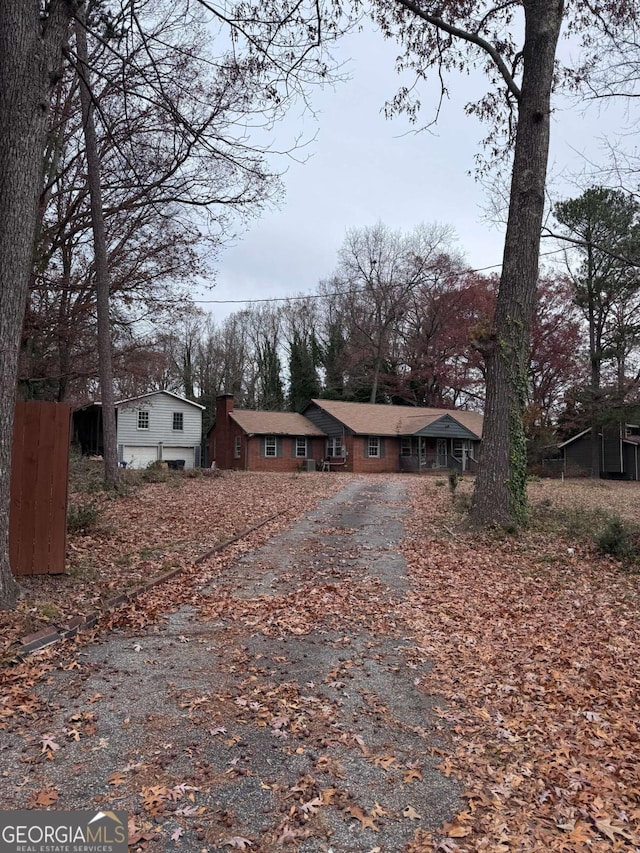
<point>158,426</point>
<point>249,440</point>
<point>358,437</point>
<point>370,437</point>
<point>619,453</point>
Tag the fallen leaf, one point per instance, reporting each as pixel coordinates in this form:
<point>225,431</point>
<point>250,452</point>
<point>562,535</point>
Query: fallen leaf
<point>457,830</point>
<point>410,813</point>
<point>366,821</point>
<point>49,746</point>
<point>312,806</point>
<point>238,841</point>
<point>413,776</point>
<point>610,829</point>
<point>43,798</point>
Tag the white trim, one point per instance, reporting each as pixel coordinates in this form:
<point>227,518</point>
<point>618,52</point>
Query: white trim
<point>153,394</point>
<point>375,446</point>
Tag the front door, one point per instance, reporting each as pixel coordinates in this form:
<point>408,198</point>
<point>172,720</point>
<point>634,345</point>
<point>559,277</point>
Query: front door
<point>441,451</point>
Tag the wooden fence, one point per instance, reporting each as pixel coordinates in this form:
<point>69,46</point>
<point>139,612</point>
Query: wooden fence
<point>39,488</point>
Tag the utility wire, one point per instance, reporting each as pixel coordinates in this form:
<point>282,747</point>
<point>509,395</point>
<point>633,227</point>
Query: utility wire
<point>303,297</point>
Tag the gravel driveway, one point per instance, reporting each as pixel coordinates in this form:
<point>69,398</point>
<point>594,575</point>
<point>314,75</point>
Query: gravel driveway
<point>282,709</point>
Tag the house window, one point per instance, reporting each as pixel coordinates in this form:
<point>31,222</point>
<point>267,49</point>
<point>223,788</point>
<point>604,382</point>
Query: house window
<point>301,446</point>
<point>457,448</point>
<point>373,446</point>
<point>334,447</point>
<point>270,445</point>
<point>236,447</point>
<point>178,421</point>
<point>405,446</point>
<point>143,419</point>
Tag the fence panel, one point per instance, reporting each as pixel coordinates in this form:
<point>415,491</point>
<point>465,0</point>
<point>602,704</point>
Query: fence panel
<point>39,488</point>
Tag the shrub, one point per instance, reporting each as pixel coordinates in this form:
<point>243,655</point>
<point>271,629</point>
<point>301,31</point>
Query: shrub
<point>156,472</point>
<point>454,479</point>
<point>86,474</point>
<point>193,473</point>
<point>462,502</point>
<point>620,539</point>
<point>82,517</point>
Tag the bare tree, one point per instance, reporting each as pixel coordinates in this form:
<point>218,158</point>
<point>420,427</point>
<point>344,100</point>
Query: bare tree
<point>102,278</point>
<point>33,34</point>
<point>32,37</point>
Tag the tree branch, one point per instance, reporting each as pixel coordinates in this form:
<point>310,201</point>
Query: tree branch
<point>473,38</point>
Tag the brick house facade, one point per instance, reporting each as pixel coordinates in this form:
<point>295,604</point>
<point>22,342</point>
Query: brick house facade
<point>337,435</point>
<point>248,440</point>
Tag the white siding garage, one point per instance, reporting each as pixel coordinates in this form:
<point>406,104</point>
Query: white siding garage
<point>159,425</point>
<point>186,453</point>
<point>137,457</point>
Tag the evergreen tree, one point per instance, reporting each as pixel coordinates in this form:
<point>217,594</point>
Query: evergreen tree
<point>303,373</point>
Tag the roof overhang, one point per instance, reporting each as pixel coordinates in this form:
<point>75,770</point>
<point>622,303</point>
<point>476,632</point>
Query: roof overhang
<point>574,438</point>
<point>446,427</point>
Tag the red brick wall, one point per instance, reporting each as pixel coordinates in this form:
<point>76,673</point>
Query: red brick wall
<point>220,446</point>
<point>360,463</point>
<point>239,464</point>
<point>286,462</point>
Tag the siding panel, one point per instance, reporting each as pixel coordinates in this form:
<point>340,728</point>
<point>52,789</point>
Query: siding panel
<point>161,408</point>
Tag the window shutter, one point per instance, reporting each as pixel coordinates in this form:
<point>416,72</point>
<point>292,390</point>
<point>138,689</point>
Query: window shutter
<point>294,445</point>
<point>262,446</point>
<point>366,446</point>
<point>278,447</point>
<point>381,440</point>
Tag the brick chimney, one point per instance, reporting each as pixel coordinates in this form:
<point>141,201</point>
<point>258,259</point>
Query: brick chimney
<point>222,433</point>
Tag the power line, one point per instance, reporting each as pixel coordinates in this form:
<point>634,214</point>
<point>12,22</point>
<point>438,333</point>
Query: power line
<point>314,295</point>
<point>303,297</point>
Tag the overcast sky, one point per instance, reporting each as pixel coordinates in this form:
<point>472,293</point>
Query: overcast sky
<point>362,168</point>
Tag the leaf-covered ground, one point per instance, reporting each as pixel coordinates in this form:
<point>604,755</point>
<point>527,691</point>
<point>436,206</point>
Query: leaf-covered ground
<point>533,642</point>
<point>157,527</point>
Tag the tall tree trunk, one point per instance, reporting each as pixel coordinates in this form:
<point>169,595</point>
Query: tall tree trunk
<point>30,57</point>
<point>103,284</point>
<point>595,359</point>
<point>595,403</point>
<point>500,495</point>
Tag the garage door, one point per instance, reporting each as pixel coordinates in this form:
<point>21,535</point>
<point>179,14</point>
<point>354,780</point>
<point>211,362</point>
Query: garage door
<point>185,453</point>
<point>139,457</point>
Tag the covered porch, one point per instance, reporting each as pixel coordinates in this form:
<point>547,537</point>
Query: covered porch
<point>443,445</point>
<point>428,454</point>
